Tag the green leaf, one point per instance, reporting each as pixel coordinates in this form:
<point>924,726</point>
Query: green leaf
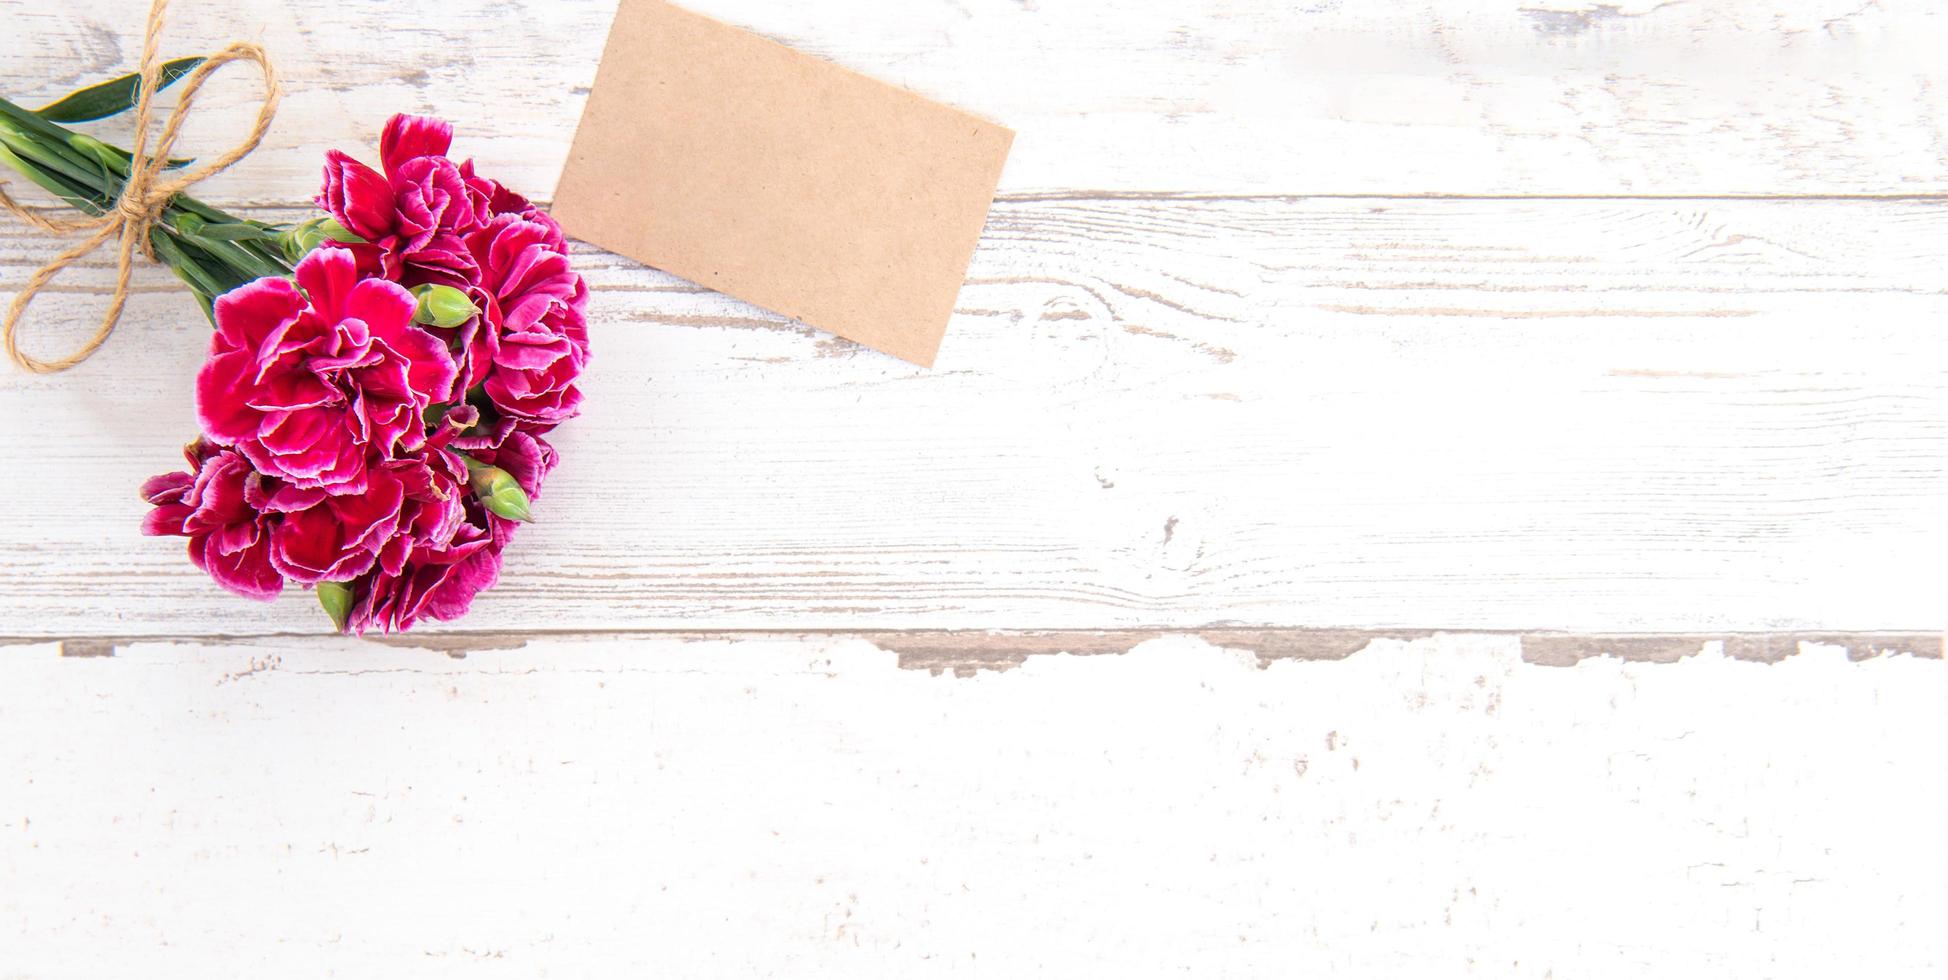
<point>204,303</point>
<point>113,96</point>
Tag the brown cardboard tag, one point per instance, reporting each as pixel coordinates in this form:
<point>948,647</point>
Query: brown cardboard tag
<point>780,179</point>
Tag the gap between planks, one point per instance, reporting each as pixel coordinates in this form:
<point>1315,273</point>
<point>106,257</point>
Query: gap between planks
<point>1291,197</point>
<point>967,652</point>
<point>1301,196</point>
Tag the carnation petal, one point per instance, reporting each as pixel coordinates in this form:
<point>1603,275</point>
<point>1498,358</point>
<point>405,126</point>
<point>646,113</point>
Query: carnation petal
<point>232,538</point>
<point>223,391</point>
<point>385,307</point>
<point>219,494</point>
<point>328,275</point>
<point>454,593</point>
<point>248,573</point>
<point>531,352</point>
<point>407,137</point>
<point>166,519</point>
<point>253,311</point>
<point>307,548</point>
<point>430,370</point>
<point>288,433</point>
<point>292,390</point>
<point>369,519</point>
<point>288,498</point>
<point>358,196</point>
<point>166,487</point>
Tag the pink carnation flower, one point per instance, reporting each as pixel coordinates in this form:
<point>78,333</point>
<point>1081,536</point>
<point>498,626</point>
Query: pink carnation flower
<point>308,385</point>
<point>424,590</point>
<point>537,300</point>
<point>430,220</point>
<point>229,538</point>
<point>415,215</point>
<point>438,575</point>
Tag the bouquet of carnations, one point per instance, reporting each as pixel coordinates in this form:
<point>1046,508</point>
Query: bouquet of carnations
<point>381,378</point>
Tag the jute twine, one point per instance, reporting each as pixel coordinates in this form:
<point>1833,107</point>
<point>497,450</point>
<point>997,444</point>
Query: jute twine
<point>144,198</point>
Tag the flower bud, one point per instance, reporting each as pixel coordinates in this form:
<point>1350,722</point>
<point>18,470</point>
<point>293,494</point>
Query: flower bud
<point>336,598</point>
<point>300,239</point>
<point>498,491</point>
<point>443,306</point>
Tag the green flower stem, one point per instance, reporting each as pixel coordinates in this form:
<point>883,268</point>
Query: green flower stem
<point>242,259</point>
<point>84,180</point>
<point>207,286</point>
<point>77,198</point>
<point>49,144</point>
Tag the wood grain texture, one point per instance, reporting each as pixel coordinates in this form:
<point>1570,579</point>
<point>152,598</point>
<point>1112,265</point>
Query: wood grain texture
<point>1515,415</point>
<point>805,808</point>
<point>1227,96</point>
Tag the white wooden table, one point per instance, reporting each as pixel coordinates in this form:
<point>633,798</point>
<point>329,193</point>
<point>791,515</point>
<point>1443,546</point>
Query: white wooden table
<point>1414,489</point>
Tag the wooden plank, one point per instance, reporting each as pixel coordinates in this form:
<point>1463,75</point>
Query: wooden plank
<point>1515,415</point>
<point>649,807</point>
<point>1221,96</point>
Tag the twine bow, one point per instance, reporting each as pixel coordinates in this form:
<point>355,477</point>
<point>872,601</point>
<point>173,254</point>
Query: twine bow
<point>144,197</point>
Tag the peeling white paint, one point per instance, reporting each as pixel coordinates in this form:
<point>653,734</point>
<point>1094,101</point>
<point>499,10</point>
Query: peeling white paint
<point>806,807</point>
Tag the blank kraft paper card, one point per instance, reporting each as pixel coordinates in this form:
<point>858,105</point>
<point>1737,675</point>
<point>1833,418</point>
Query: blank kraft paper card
<point>780,179</point>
